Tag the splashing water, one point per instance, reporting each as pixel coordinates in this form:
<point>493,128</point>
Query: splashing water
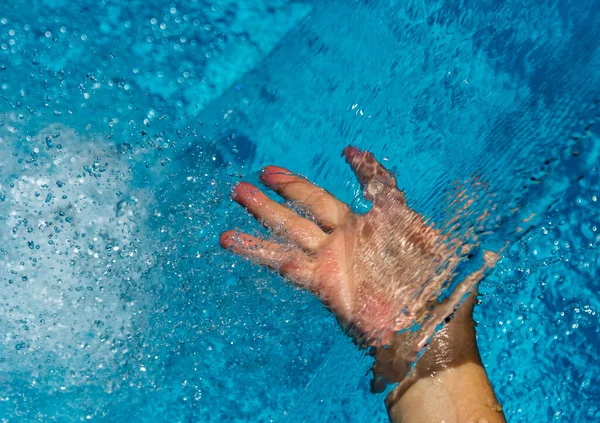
<point>449,92</point>
<point>72,258</point>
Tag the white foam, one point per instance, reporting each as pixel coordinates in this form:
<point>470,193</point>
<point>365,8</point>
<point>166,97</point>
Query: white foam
<point>68,263</point>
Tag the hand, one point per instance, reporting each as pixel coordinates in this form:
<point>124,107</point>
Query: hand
<point>378,272</point>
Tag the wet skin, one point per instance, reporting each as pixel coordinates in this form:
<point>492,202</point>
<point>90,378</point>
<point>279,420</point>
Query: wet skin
<point>378,272</point>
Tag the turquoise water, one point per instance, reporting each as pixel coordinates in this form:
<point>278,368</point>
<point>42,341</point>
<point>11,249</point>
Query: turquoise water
<point>123,127</point>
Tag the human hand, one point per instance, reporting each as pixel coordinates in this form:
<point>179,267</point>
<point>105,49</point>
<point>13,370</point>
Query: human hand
<point>379,272</point>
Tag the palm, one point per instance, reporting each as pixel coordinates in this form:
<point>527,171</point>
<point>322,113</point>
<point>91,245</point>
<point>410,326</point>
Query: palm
<point>376,272</point>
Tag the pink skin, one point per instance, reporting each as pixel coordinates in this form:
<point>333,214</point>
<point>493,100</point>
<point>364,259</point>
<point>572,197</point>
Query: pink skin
<point>378,272</point>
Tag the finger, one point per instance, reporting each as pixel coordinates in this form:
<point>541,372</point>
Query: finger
<point>278,218</point>
<point>374,178</point>
<point>291,263</point>
<point>324,207</point>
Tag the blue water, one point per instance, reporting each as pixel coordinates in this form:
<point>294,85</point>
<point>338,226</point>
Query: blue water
<point>123,126</point>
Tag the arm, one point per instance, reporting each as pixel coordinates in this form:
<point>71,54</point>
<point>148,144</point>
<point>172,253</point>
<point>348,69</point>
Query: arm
<point>449,382</point>
<point>378,273</point>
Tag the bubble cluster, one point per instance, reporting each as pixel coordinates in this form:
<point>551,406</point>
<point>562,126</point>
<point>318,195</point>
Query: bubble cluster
<point>73,264</point>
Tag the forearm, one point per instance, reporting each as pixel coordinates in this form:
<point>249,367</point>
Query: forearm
<point>455,395</point>
<point>448,384</point>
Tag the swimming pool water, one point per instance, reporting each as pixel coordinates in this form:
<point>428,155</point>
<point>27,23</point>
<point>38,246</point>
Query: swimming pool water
<point>124,125</point>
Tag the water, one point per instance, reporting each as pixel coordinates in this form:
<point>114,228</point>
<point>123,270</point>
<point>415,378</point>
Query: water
<point>124,125</point>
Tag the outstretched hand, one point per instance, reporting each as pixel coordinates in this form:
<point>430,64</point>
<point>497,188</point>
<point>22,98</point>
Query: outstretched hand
<point>378,272</point>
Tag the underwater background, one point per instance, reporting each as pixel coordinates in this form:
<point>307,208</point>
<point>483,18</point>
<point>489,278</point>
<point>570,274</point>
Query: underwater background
<point>124,125</point>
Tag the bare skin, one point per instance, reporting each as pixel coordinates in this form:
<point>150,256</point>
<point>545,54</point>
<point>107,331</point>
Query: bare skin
<point>379,272</point>
<point>448,383</point>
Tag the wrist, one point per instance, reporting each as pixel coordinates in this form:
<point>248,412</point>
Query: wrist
<point>451,346</point>
<point>448,383</point>
<point>453,395</point>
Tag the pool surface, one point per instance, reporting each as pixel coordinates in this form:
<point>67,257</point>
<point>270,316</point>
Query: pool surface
<point>124,125</point>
